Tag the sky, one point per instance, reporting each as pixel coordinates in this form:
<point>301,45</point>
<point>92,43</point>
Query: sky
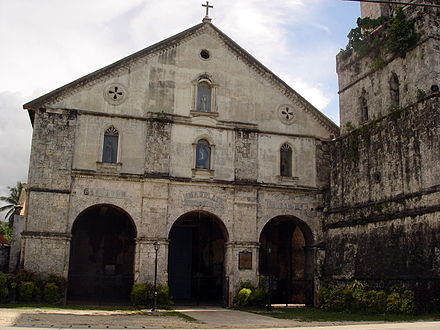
<point>46,44</point>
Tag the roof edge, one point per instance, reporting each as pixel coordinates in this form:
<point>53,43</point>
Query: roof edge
<point>331,125</point>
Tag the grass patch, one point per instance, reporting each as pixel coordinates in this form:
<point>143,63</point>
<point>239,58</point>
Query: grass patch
<point>71,307</point>
<point>310,314</point>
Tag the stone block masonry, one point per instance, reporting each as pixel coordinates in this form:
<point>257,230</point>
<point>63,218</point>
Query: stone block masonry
<point>382,220</point>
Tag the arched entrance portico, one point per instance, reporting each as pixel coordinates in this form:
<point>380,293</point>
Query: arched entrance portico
<point>196,270</point>
<point>286,256</point>
<point>101,256</point>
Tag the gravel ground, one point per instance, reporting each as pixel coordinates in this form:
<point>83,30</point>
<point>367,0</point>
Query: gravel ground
<point>224,318</point>
<point>65,318</point>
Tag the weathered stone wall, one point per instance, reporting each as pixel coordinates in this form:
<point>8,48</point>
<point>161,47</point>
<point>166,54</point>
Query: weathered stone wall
<point>14,253</point>
<point>382,218</point>
<point>246,155</point>
<point>52,149</point>
<point>158,136</point>
<point>375,10</point>
<point>364,77</point>
<point>43,238</point>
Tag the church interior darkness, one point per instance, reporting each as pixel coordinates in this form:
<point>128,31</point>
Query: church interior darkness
<point>102,255</point>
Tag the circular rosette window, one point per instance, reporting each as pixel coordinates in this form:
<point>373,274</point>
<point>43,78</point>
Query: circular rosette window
<point>286,114</point>
<point>115,93</point>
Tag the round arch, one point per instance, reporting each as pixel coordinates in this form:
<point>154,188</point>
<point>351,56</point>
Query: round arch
<point>101,263</point>
<point>196,260</point>
<point>286,256</point>
<point>213,216</point>
<point>75,215</point>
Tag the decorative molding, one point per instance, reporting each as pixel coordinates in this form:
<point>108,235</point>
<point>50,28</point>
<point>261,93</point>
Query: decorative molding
<point>396,215</point>
<point>286,114</point>
<point>45,235</point>
<point>115,93</point>
<point>48,190</point>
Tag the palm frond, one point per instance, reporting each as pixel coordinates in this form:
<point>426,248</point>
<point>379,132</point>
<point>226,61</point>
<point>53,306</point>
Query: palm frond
<point>7,199</point>
<point>6,207</point>
<point>9,216</point>
<point>14,195</point>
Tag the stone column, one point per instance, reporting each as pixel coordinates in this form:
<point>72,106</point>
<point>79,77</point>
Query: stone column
<point>46,253</point>
<point>145,257</point>
<point>241,265</point>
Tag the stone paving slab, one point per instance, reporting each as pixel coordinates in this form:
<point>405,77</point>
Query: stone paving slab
<point>229,317</point>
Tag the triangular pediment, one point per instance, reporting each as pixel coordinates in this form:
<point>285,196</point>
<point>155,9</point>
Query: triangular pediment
<point>159,51</point>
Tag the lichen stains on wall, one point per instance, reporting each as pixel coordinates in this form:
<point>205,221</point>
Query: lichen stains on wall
<point>382,215</point>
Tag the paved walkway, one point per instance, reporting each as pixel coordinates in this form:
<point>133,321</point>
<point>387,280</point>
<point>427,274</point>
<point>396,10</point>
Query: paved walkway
<point>228,317</point>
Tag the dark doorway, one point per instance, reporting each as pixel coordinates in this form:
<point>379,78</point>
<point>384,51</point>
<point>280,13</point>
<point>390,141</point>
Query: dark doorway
<point>286,258</point>
<point>101,256</point>
<point>196,258</point>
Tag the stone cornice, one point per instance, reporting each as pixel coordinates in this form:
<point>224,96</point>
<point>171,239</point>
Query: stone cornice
<point>164,178</point>
<point>48,190</point>
<point>45,234</point>
<point>185,120</point>
<point>397,199</point>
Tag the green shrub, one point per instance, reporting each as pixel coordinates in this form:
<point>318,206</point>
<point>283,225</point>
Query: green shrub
<point>142,295</point>
<point>408,305</point>
<point>52,293</point>
<point>4,287</point>
<point>247,285</point>
<point>163,296</point>
<point>402,35</point>
<point>58,280</point>
<point>331,297</point>
<point>28,292</point>
<point>258,297</point>
<point>401,303</point>
<point>243,297</point>
<point>357,298</point>
<point>25,276</point>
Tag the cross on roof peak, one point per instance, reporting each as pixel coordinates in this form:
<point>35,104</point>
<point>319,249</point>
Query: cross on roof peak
<point>207,6</point>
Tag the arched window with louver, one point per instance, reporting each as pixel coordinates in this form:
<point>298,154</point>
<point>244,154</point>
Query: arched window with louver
<point>286,160</point>
<point>110,145</point>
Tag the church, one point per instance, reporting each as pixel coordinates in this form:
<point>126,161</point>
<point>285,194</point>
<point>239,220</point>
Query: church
<point>194,151</point>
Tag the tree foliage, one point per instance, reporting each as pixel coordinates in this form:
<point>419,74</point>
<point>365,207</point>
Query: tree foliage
<point>11,201</point>
<point>402,34</point>
<point>397,37</point>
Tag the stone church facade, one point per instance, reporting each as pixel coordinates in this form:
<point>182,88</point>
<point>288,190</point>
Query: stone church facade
<point>190,143</point>
<point>194,147</point>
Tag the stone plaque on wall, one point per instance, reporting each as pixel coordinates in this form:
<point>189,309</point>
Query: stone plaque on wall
<point>245,260</point>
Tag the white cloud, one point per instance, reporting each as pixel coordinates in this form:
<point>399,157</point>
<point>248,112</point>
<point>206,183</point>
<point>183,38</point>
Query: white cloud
<point>314,95</point>
<point>15,140</point>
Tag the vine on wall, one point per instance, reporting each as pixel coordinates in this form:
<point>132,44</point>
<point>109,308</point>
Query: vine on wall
<point>398,37</point>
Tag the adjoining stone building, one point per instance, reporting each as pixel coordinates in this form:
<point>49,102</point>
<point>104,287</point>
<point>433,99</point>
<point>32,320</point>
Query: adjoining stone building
<point>195,145</point>
<point>191,143</point>
<point>382,220</point>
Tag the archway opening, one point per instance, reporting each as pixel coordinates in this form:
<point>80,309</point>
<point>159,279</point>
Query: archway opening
<point>287,260</point>
<point>101,256</point>
<point>196,272</point>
